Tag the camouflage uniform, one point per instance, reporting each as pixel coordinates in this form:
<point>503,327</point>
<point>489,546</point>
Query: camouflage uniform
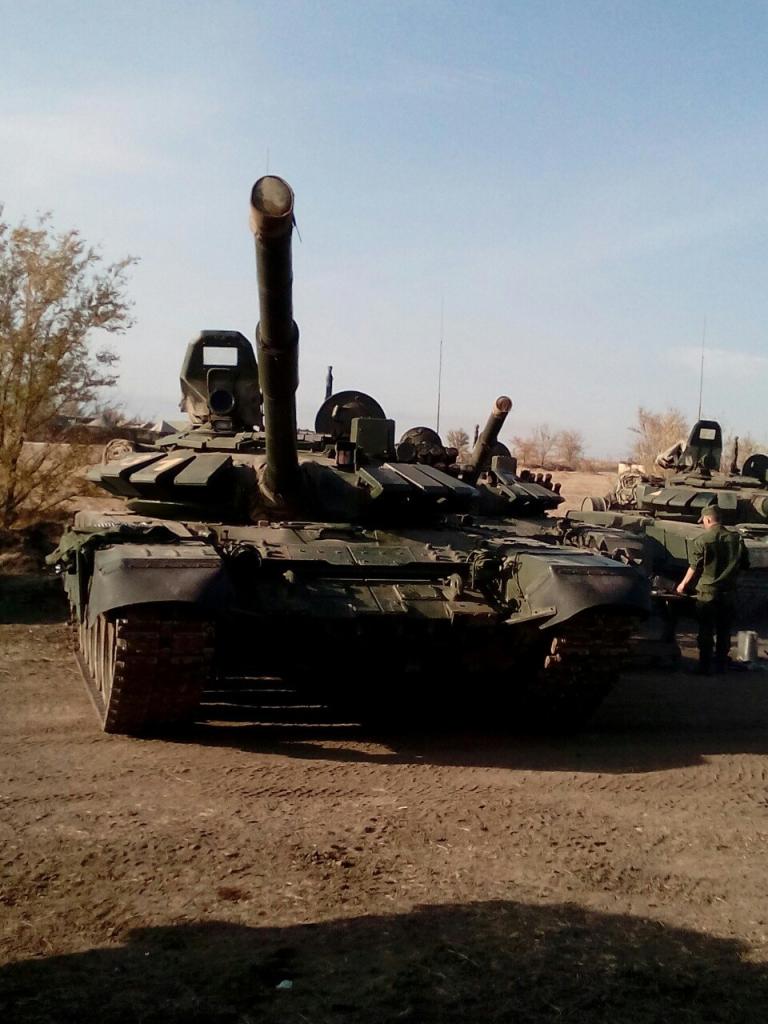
<point>717,555</point>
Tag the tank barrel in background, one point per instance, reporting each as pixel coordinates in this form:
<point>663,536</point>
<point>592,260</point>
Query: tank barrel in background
<point>277,336</point>
<point>480,455</point>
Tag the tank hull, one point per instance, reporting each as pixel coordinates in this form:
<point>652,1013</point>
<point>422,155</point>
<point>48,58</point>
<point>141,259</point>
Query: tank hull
<point>346,614</point>
<point>653,520</point>
<point>660,549</point>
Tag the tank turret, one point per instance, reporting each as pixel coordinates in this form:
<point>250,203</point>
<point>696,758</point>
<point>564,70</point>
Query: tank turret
<point>277,336</point>
<point>693,480</point>
<point>659,518</point>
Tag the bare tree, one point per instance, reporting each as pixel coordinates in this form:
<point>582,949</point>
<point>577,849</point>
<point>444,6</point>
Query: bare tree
<point>570,447</point>
<point>545,441</point>
<point>655,432</point>
<point>458,439</point>
<point>525,450</point>
<point>537,448</point>
<point>110,414</point>
<point>55,293</point>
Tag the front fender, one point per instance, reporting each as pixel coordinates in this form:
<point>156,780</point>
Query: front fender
<point>567,584</point>
<point>136,574</point>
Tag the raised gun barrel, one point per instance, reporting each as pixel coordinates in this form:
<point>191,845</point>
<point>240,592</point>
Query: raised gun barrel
<point>277,336</point>
<point>480,456</point>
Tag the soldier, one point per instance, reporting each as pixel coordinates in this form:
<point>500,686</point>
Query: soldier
<point>716,557</point>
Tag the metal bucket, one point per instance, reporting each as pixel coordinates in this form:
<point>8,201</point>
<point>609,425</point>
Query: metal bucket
<point>746,645</point>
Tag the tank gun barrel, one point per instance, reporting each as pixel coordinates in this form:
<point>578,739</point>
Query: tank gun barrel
<point>277,336</point>
<point>489,435</point>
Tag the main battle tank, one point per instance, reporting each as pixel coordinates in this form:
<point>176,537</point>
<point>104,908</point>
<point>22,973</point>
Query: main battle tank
<point>653,520</point>
<point>332,558</point>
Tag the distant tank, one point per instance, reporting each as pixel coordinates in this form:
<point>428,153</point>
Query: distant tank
<point>654,519</point>
<point>332,558</point>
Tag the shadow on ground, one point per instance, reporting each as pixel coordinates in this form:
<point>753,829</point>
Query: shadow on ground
<point>496,961</point>
<point>651,722</point>
<point>31,599</point>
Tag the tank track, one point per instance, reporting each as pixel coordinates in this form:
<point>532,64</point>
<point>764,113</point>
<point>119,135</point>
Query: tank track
<point>143,672</point>
<point>581,665</point>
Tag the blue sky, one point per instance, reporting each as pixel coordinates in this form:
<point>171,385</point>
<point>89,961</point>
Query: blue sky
<point>581,185</point>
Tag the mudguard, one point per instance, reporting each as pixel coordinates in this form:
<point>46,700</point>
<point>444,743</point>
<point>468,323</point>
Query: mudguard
<point>136,574</point>
<point>569,584</point>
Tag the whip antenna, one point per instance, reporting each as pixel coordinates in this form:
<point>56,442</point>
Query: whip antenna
<point>701,367</point>
<point>440,366</point>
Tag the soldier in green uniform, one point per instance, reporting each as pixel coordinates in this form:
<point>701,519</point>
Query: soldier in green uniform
<point>716,558</point>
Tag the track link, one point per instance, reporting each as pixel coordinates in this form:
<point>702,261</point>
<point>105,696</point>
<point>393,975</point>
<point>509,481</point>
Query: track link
<point>143,672</point>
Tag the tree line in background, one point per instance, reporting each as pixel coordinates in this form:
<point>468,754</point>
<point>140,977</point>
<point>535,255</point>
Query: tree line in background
<point>543,448</point>
<point>654,432</point>
<point>550,449</point>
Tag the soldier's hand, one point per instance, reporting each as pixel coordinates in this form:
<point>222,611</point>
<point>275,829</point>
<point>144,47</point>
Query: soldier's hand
<point>680,589</point>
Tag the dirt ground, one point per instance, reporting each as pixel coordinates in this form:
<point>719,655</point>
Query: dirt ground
<point>247,872</point>
<point>577,486</point>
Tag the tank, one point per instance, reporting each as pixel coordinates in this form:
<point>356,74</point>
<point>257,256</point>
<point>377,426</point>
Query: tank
<point>653,519</point>
<point>366,573</point>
